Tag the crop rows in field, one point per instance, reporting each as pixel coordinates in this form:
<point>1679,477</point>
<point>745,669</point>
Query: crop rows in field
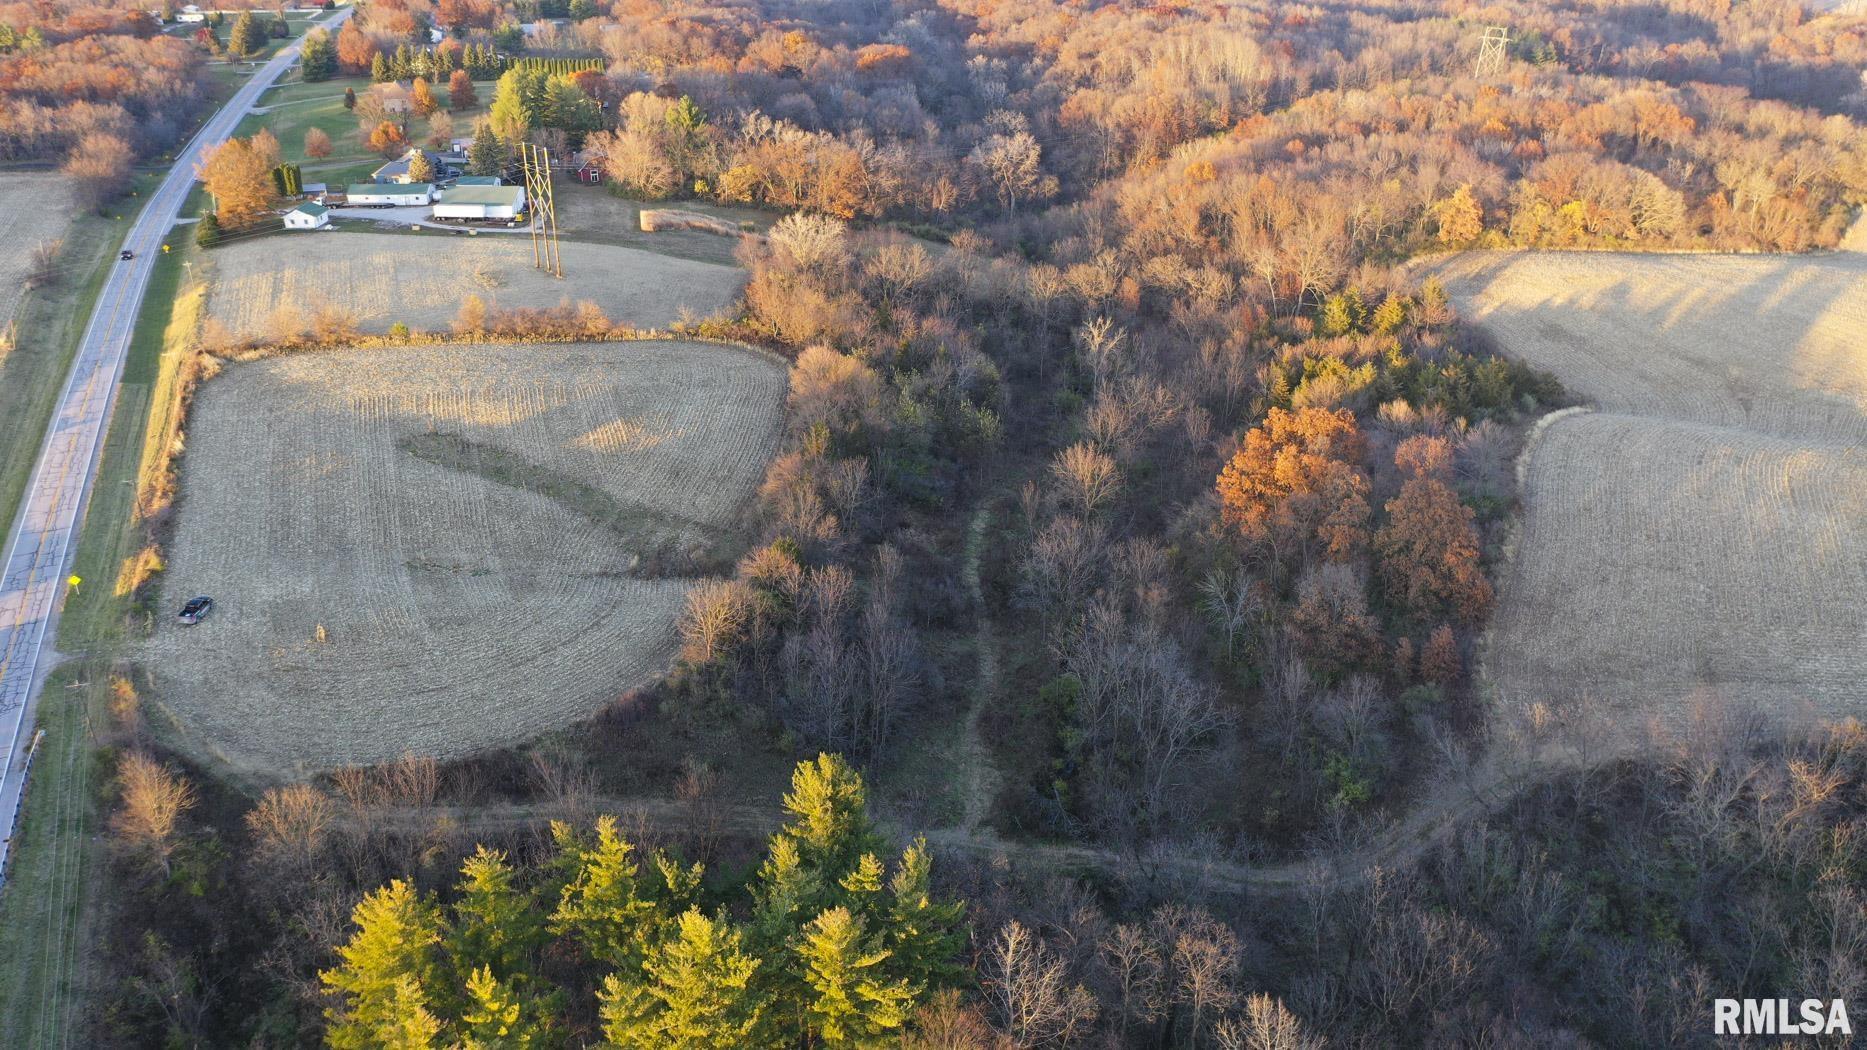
<point>425,550</point>
<point>421,280</point>
<point>1705,532</point>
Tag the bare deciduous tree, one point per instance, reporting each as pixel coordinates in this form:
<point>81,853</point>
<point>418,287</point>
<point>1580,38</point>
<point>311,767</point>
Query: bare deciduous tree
<point>290,824</point>
<point>715,616</point>
<point>1266,1025</point>
<point>148,817</point>
<point>1029,988</point>
<point>1089,478</point>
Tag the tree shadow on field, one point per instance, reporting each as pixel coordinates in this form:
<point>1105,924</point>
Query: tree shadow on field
<point>667,546</point>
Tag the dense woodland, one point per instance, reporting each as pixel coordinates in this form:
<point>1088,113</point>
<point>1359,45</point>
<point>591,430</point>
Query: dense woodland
<point>1118,306</point>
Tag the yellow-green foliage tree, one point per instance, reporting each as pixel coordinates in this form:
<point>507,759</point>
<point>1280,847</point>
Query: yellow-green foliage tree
<point>833,950</point>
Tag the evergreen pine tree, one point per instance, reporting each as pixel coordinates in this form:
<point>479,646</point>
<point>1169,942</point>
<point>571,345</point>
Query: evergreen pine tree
<point>408,1024</point>
<point>600,904</point>
<point>496,922</point>
<point>854,1002</point>
<point>379,69</point>
<point>247,37</point>
<point>350,98</point>
<point>402,66</point>
<point>317,57</point>
<point>922,934</point>
<point>497,1015</point>
<point>695,993</point>
<point>389,961</point>
<point>830,820</point>
<point>486,155</point>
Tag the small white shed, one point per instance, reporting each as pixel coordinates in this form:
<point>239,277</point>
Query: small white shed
<point>308,216</point>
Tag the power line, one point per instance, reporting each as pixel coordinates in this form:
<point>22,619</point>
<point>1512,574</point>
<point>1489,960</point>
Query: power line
<point>1493,53</point>
<point>543,207</point>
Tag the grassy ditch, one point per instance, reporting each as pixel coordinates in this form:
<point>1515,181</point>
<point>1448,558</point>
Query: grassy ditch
<point>135,480</point>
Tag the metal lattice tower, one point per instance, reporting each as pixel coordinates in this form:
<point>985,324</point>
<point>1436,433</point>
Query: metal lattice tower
<point>1493,53</point>
<point>536,161</point>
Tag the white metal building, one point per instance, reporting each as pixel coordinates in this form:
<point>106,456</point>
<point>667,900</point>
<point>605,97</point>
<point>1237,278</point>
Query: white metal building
<point>481,203</point>
<point>390,194</point>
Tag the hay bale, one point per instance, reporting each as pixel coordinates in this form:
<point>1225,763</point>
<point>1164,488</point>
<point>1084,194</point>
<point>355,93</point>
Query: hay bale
<point>660,219</point>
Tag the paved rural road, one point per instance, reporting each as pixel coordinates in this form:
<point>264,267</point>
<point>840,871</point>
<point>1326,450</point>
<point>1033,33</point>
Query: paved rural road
<point>44,536</point>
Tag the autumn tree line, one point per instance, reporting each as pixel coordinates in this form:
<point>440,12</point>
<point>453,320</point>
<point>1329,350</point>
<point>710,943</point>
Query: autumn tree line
<point>1239,482</point>
<point>91,89</point>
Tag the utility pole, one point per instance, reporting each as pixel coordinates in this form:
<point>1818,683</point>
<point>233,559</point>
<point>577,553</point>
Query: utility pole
<point>1493,53</point>
<point>536,161</point>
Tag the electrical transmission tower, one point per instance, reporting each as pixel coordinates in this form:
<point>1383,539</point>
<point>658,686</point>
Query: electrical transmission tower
<point>536,160</point>
<point>1493,53</point>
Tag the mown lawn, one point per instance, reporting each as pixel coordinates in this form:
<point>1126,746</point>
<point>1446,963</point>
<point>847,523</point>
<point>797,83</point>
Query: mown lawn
<point>295,108</point>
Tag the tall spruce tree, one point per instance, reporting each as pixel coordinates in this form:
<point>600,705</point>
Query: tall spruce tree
<point>317,57</point>
<point>247,37</point>
<point>486,155</point>
<point>388,965</point>
<point>855,1002</point>
<point>694,992</point>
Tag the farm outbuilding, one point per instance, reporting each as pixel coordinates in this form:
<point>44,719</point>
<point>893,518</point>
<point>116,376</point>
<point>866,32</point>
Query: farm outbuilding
<point>390,194</point>
<point>481,202</point>
<point>308,216</point>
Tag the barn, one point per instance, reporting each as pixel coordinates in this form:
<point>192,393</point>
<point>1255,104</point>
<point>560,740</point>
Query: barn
<point>481,203</point>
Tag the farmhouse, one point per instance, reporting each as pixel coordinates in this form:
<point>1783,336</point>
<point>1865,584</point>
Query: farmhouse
<point>481,202</point>
<point>391,194</point>
<point>397,170</point>
<point>395,98</point>
<point>308,216</point>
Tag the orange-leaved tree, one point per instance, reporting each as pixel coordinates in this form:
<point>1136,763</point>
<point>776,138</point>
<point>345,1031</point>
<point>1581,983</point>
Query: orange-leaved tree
<point>1296,484</point>
<point>238,173</point>
<point>1429,547</point>
<point>422,97</point>
<point>388,140</point>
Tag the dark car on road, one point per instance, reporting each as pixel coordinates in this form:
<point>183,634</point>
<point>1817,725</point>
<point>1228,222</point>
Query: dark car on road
<point>196,610</point>
<point>126,255</point>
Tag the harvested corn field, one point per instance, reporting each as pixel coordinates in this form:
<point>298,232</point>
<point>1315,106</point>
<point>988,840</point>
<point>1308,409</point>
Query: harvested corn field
<point>1704,533</point>
<point>421,280</point>
<point>34,209</point>
<point>445,549</point>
